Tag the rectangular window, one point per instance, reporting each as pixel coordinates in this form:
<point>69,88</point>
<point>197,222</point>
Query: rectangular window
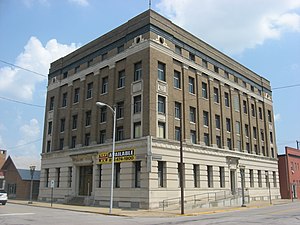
<point>177,79</point>
<point>192,114</point>
<point>73,142</point>
<point>263,150</point>
<point>120,110</point>
<point>179,172</point>
<point>206,139</point>
<point>65,75</point>
<point>218,121</point>
<point>271,136</point>
<point>236,103</point>
<point>76,70</point>
<point>76,95</point>
<point>117,174</point>
<point>177,49</point>
<point>218,141</point>
<point>210,182</point>
<point>196,173</point>
<point>104,85</point>
<point>100,176</point>
<point>177,110</point>
<point>248,147</point>
<point>267,178</point>
<point>104,56</point>
<point>228,125</point>
<point>64,99</point>
<point>88,116</point>
<point>253,110</point>
<point>161,130</point>
<point>137,71</point>
<point>239,145</point>
<point>137,174</point>
<point>49,127</point>
<point>269,116</point>
<point>74,121</point>
<point>254,133</point>
<point>87,139</point>
<point>192,56</point>
<point>222,176</point>
<point>238,127</point>
<point>229,145</point>
<point>120,134</point>
<point>226,98</point>
<point>62,124</point>
<point>259,178</point>
<point>121,79</point>
<point>89,63</point>
<point>177,133</point>
<point>48,146</point>
<point>70,176</point>
<point>61,144</point>
<point>226,74</point>
<point>204,63</point>
<point>102,136</point>
<point>246,130</point>
<point>161,104</point>
<point>216,69</point>
<point>161,165</point>
<point>51,105</point>
<point>216,95</point>
<point>89,91</point>
<point>245,107</point>
<point>205,118</point>
<point>193,136</point>
<point>137,131</point>
<point>161,70</point>
<point>57,170</point>
<point>46,177</point>
<point>137,104</point>
<point>103,114</point>
<point>204,90</point>
<point>120,48</point>
<point>262,136</point>
<point>192,85</point>
<point>251,178</point>
<point>260,113</point>
<point>255,149</point>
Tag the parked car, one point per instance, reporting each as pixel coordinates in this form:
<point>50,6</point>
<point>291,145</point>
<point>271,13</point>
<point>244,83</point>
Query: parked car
<point>3,197</point>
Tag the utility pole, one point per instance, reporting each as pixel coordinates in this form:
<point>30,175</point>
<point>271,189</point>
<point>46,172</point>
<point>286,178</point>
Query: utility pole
<point>181,165</point>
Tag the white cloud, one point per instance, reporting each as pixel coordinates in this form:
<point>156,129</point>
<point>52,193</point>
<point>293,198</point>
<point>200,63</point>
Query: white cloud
<point>23,162</point>
<point>80,2</point>
<point>31,130</point>
<point>277,117</point>
<point>20,84</point>
<point>233,26</point>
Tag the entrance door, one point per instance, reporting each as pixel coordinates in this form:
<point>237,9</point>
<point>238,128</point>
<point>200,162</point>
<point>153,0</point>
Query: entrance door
<point>232,182</point>
<point>85,180</point>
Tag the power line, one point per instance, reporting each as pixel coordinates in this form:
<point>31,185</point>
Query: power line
<point>24,103</point>
<point>288,86</point>
<point>11,64</point>
<point>31,142</point>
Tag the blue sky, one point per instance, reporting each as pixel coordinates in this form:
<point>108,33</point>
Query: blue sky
<point>266,39</point>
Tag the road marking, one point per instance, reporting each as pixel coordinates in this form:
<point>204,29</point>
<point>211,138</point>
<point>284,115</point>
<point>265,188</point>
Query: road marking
<point>17,214</point>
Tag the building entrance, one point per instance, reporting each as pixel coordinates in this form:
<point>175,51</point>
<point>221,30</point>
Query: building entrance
<point>85,180</point>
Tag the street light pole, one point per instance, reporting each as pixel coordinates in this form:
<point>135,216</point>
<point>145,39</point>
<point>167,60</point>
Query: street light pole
<point>242,171</point>
<point>32,169</point>
<point>113,153</point>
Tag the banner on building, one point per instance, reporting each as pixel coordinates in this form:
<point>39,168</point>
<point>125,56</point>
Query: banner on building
<point>120,156</point>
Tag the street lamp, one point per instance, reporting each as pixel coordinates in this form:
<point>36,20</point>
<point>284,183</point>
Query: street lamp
<point>113,109</point>
<point>242,171</point>
<point>32,169</point>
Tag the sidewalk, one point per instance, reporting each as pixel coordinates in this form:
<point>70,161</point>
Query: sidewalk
<point>150,213</point>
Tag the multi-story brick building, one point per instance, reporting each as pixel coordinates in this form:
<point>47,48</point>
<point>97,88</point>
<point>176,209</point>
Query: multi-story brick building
<point>289,173</point>
<point>155,73</point>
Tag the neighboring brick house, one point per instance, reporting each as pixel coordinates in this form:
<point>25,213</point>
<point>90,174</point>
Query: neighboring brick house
<point>2,160</point>
<point>17,181</point>
<point>289,173</point>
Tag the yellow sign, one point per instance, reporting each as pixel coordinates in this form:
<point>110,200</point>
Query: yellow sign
<point>120,156</point>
